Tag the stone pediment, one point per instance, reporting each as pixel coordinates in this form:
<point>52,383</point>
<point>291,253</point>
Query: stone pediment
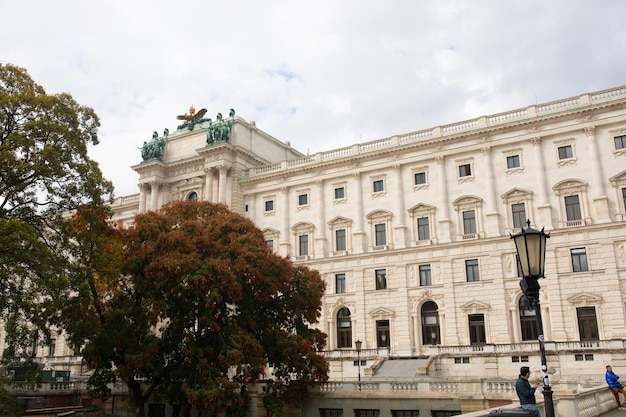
<point>474,306</point>
<point>619,179</point>
<point>516,193</point>
<point>467,200</point>
<point>381,312</point>
<point>340,220</point>
<point>421,207</point>
<point>585,299</point>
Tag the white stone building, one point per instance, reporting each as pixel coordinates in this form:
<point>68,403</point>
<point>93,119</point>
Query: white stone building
<point>411,234</point>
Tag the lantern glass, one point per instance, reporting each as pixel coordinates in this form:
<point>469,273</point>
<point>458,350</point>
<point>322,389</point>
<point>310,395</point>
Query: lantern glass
<point>531,251</point>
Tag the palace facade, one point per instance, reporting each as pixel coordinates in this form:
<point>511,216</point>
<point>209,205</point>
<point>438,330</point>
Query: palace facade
<point>412,236</point>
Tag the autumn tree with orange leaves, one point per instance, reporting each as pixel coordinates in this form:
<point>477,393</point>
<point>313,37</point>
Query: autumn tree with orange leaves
<point>191,303</point>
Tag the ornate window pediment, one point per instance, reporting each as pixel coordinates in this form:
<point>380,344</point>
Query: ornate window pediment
<point>381,313</point>
<point>584,299</point>
<point>475,306</point>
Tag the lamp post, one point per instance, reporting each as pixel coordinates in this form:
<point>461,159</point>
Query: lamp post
<point>531,252</point>
<point>358,345</point>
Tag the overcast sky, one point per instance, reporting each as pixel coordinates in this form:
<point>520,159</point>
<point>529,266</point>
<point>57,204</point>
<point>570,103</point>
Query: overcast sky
<point>320,74</point>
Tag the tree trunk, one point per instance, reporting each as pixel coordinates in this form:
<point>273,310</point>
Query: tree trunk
<point>137,399</point>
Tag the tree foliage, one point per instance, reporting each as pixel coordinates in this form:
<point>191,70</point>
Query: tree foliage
<point>44,172</point>
<point>197,308</point>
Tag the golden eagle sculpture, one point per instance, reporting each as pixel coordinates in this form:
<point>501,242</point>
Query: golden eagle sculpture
<point>191,118</point>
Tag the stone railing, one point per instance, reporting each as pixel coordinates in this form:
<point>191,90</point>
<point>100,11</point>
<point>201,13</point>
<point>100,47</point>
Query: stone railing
<point>526,114</point>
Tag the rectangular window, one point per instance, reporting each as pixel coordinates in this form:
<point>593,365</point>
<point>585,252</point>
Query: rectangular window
<point>340,283</point>
<point>426,278</point>
<point>423,228</point>
<point>477,329</point>
<point>381,279</point>
<point>512,161</point>
<point>379,185</point>
<point>381,234</point>
<point>52,347</point>
<point>303,199</point>
<point>469,222</point>
<point>366,413</point>
<point>270,244</point>
<point>572,208</point>
<point>587,323</point>
<point>624,197</point>
<point>519,214</point>
<point>420,178</point>
<point>620,142</point>
<point>340,193</point>
<point>382,333</point>
<point>269,205</point>
<point>465,170</point>
<point>340,239</point>
<point>331,412</point>
<point>565,152</point>
<point>471,270</point>
<point>579,259</point>
<point>303,245</point>
<point>405,413</point>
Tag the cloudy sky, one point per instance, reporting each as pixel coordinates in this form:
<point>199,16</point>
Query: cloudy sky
<point>321,74</point>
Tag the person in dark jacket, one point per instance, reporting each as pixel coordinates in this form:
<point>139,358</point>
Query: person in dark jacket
<point>526,392</point>
<point>613,381</point>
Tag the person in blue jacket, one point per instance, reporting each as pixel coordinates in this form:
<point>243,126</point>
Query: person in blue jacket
<point>612,380</point>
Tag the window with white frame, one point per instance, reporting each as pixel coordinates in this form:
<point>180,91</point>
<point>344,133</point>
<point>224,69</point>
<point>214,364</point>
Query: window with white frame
<point>465,170</point>
<point>271,238</point>
<point>519,204</point>
<point>269,206</point>
<point>340,283</point>
<point>380,231</point>
<point>426,278</point>
<point>513,161</point>
<point>381,279</point>
<point>565,152</point>
<point>573,202</point>
<point>579,259</point>
<point>471,270</point>
<point>378,186</point>
<point>380,224</point>
<point>303,199</point>
<point>303,233</point>
<point>420,178</point>
<point>469,210</point>
<point>340,229</point>
<point>303,245</point>
<point>423,218</point>
<point>339,193</point>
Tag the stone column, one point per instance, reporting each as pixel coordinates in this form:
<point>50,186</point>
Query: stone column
<point>142,198</point>
<point>444,214</point>
<point>545,211</point>
<point>285,235</point>
<point>321,230</point>
<point>399,240</point>
<point>154,195</point>
<point>208,184</point>
<point>221,190</point>
<point>492,226</point>
<point>600,200</point>
<point>359,233</point>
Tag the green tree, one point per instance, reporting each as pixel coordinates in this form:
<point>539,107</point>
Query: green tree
<point>44,172</point>
<point>201,307</point>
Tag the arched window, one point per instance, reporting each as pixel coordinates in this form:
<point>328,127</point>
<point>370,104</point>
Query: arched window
<point>344,329</point>
<point>527,320</point>
<point>430,324</point>
<point>193,196</point>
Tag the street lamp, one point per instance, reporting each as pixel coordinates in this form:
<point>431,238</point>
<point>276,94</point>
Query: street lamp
<point>531,252</point>
<point>358,345</point>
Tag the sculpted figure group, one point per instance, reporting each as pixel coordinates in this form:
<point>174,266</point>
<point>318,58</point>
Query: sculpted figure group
<point>220,130</point>
<point>153,149</point>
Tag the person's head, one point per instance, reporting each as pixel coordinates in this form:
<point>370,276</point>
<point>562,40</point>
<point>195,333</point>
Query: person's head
<point>524,371</point>
<point>608,368</point>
